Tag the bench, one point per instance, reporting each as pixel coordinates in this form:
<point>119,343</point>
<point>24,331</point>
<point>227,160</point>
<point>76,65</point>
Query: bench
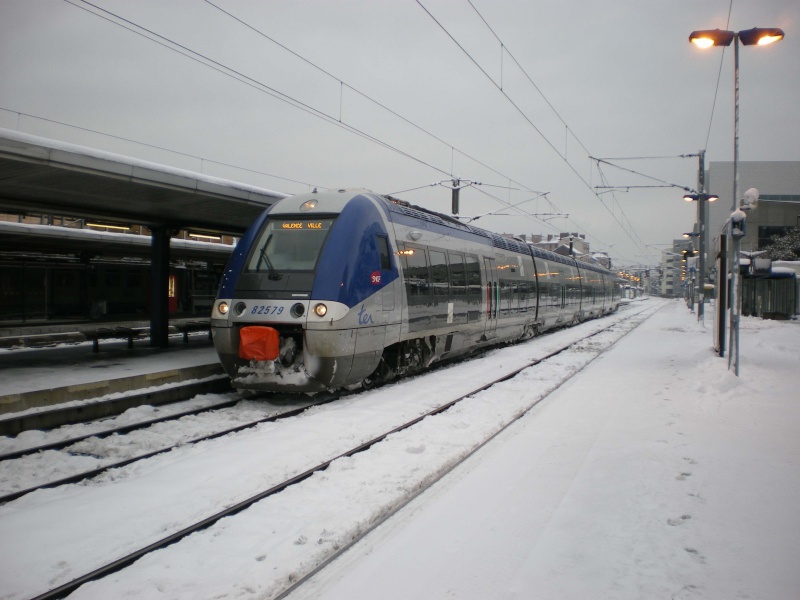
<point>191,327</point>
<point>107,333</point>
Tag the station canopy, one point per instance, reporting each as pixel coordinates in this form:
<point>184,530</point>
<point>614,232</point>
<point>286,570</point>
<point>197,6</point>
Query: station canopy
<point>43,176</point>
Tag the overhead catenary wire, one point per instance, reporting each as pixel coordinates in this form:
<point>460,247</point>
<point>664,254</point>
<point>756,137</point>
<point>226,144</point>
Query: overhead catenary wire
<point>525,73</point>
<point>499,87</point>
<point>382,106</point>
<point>665,183</point>
<point>719,78</point>
<point>453,148</point>
<point>260,86</point>
<point>230,72</point>
<point>157,147</point>
<point>629,231</point>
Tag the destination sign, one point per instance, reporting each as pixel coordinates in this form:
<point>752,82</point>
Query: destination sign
<point>295,225</point>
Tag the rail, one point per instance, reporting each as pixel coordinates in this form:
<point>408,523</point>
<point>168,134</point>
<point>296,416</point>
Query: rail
<point>230,510</point>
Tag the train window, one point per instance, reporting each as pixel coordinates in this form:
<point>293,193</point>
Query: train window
<point>473,275</point>
<point>415,266</point>
<point>440,280</point>
<point>133,278</point>
<point>289,245</point>
<point>112,278</point>
<point>458,277</point>
<point>64,278</point>
<point>383,251</point>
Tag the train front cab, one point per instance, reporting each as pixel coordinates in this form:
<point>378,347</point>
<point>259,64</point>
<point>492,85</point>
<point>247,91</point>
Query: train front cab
<point>317,270</point>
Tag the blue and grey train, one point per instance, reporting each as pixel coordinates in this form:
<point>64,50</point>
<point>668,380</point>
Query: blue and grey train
<point>339,288</point>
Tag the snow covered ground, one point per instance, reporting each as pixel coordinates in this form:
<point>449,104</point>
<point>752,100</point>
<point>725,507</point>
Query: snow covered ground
<point>654,472</point>
<point>76,364</point>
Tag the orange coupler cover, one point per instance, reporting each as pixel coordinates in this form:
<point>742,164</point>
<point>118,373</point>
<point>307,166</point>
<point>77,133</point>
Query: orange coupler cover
<point>259,343</point>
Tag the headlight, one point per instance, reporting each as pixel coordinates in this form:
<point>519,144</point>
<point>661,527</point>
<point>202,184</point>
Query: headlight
<point>222,308</point>
<point>320,310</point>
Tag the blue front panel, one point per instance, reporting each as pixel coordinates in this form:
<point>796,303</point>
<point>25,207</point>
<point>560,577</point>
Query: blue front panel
<point>349,269</point>
<point>236,262</point>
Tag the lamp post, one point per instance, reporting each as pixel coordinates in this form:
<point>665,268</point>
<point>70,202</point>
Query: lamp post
<point>698,285</point>
<point>701,198</point>
<point>759,36</point>
<point>736,229</point>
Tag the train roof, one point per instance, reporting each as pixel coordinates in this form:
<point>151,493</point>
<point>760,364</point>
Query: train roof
<point>401,207</point>
<point>498,241</point>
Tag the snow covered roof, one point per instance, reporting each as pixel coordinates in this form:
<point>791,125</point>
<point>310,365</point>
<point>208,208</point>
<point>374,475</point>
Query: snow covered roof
<point>39,175</point>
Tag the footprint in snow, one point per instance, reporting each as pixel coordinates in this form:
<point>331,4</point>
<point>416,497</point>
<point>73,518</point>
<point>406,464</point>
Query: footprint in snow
<point>679,521</point>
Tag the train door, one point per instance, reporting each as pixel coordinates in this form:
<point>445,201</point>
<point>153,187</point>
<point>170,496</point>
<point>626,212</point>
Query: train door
<point>388,292</point>
<point>418,288</point>
<point>491,296</point>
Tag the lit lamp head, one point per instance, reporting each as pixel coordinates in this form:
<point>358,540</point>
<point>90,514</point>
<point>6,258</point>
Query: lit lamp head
<point>761,36</point>
<point>696,197</point>
<point>705,38</point>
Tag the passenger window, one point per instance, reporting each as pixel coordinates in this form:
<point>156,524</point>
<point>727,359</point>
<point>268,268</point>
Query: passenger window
<point>458,277</point>
<point>112,278</point>
<point>383,251</point>
<point>440,281</point>
<point>416,271</point>
<point>473,275</point>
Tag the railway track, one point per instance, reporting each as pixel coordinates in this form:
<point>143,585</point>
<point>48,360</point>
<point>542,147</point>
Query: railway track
<point>111,407</point>
<point>584,344</point>
<point>280,406</point>
<point>274,414</point>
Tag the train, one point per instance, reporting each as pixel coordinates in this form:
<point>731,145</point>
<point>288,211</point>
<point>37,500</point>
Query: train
<point>346,288</point>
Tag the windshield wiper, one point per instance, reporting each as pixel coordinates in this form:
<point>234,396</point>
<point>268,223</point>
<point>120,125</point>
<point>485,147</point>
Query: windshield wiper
<point>273,274</point>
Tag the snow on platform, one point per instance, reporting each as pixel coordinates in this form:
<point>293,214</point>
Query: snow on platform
<point>655,473</point>
<point>33,372</point>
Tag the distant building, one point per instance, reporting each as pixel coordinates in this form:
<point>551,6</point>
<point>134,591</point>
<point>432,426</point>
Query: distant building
<point>778,210</point>
<point>564,243</point>
<point>674,272</point>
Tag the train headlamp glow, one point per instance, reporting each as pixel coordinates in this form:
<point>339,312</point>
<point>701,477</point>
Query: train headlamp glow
<point>320,310</point>
<point>308,205</point>
<point>223,308</point>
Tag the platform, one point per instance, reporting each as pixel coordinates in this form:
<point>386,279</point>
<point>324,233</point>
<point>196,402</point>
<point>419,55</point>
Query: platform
<point>67,371</point>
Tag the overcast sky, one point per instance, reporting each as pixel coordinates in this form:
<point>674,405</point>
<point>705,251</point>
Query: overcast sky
<point>393,95</point>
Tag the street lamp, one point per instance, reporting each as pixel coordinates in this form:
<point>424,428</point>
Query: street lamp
<point>701,198</point>
<point>758,36</point>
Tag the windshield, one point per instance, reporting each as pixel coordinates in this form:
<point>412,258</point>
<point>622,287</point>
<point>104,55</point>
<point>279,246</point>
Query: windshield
<point>289,245</point>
